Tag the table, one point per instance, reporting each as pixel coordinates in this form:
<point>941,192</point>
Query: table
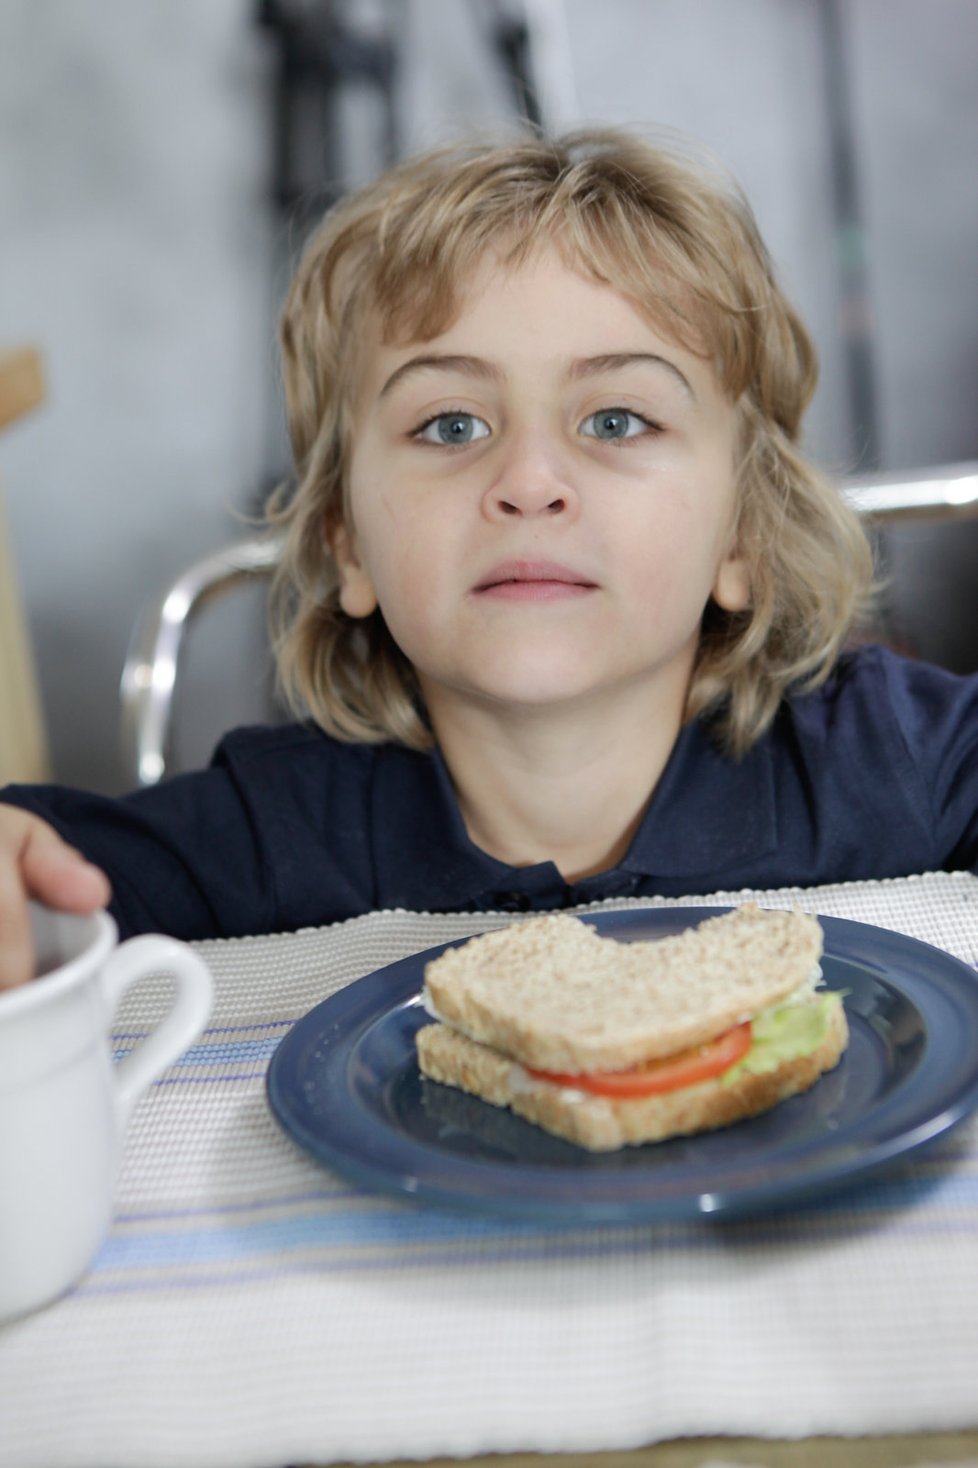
<point>252,1308</point>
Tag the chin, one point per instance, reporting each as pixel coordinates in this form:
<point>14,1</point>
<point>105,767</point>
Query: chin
<point>537,692</point>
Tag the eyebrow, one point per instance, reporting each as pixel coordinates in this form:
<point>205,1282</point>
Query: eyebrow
<point>486,371</point>
<point>438,362</point>
<point>615,361</point>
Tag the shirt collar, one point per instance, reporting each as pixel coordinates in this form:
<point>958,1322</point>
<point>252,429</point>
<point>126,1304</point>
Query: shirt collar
<point>423,856</point>
<point>707,813</point>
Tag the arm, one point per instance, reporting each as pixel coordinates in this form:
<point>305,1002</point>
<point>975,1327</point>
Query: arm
<point>936,713</point>
<point>182,858</point>
<point>275,834</point>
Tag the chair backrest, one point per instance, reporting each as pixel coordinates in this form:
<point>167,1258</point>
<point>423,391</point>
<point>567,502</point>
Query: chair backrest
<point>153,664</point>
<point>23,744</point>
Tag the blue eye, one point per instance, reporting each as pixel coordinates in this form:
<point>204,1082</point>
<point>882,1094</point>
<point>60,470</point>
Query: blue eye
<point>453,428</point>
<point>609,424</point>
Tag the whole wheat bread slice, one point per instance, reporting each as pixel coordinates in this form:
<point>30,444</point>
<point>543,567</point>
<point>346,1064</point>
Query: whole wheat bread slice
<point>554,994</point>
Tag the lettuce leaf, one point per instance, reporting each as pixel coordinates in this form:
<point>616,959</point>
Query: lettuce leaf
<point>785,1032</point>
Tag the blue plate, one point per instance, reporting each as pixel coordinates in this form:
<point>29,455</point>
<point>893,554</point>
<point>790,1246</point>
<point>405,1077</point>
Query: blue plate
<point>345,1085</point>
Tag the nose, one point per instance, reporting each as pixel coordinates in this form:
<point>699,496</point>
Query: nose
<point>530,480</point>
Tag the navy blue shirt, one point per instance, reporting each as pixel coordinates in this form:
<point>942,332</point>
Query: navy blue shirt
<point>873,775</point>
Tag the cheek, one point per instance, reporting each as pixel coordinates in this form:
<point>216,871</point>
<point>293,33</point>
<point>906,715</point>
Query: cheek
<point>674,548</point>
<point>401,545</point>
<point>375,526</point>
<point>402,555</point>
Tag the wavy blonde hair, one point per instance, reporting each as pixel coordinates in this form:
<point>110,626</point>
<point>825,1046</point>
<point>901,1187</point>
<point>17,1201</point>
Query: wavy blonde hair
<point>685,247</point>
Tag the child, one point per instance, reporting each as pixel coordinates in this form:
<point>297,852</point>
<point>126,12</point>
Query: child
<point>562,602</point>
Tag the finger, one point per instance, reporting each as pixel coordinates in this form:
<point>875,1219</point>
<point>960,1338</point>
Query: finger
<point>58,875</point>
<point>44,867</point>
<point>16,949</point>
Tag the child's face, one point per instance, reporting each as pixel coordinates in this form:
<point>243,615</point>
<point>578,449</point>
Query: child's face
<point>542,498</point>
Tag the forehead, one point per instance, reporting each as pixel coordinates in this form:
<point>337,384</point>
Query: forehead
<point>534,312</point>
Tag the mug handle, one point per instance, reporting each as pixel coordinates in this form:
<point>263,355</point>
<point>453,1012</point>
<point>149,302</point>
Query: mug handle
<point>134,960</point>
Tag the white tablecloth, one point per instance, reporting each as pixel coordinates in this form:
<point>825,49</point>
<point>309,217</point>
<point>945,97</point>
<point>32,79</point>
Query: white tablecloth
<point>253,1308</point>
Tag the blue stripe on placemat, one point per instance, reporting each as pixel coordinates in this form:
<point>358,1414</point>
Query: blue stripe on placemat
<point>225,1052</point>
<point>212,1051</point>
<point>346,1230</point>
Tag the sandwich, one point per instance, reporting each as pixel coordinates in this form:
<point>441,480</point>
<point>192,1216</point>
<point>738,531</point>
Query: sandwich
<point>611,1044</point>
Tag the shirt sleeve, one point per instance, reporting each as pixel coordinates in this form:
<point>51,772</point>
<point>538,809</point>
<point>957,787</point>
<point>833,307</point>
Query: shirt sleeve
<point>271,837</point>
<point>182,857</point>
<point>936,718</point>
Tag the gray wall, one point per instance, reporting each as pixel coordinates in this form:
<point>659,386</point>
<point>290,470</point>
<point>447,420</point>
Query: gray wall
<point>135,239</point>
<point>141,254</point>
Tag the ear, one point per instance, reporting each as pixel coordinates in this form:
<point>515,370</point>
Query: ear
<point>731,585</point>
<point>357,595</point>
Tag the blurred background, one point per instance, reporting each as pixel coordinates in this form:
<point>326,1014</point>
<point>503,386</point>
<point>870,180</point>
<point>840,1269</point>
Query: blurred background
<point>160,162</point>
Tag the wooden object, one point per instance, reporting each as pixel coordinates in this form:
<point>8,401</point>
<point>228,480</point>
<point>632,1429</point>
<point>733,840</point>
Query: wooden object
<point>23,747</point>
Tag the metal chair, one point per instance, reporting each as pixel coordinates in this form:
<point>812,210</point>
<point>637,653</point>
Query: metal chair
<point>152,666</point>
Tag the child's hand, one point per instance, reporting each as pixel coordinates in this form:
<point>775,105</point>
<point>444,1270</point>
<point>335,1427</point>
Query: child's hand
<point>35,862</point>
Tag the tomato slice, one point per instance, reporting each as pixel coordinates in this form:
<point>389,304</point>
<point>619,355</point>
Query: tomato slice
<point>652,1077</point>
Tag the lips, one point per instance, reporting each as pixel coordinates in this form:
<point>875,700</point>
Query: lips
<point>520,580</point>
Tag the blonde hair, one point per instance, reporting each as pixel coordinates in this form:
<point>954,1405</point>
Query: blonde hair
<point>686,248</point>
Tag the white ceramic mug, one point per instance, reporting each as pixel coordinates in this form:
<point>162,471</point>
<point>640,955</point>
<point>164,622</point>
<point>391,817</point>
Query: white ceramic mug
<point>64,1104</point>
